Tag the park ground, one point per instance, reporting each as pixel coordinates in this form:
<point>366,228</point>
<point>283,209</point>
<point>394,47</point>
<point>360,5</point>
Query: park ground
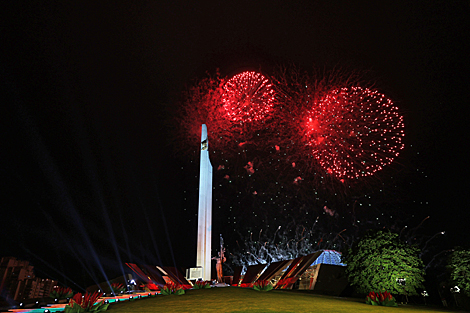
<point>234,299</point>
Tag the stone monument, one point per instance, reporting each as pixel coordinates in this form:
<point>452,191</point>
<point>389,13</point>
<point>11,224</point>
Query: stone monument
<point>204,228</point>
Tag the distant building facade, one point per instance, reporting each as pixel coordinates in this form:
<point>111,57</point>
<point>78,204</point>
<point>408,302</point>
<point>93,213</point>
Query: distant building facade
<point>18,282</point>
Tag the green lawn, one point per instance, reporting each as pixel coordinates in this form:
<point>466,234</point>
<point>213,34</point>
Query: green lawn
<point>233,299</point>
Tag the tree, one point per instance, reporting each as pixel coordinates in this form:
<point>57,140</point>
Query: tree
<point>380,261</point>
<point>459,265</point>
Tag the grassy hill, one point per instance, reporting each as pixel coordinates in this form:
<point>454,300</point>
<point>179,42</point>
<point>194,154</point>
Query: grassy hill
<point>233,299</point>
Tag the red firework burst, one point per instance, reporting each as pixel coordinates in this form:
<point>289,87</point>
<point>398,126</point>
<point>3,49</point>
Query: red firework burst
<point>247,97</point>
<point>354,132</point>
<point>227,107</point>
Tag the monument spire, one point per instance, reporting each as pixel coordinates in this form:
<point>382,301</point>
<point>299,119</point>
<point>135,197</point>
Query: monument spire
<point>204,228</point>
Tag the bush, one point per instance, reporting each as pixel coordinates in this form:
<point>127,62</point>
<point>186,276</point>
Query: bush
<point>381,298</point>
<point>263,285</point>
<point>117,288</point>
<point>201,285</point>
<point>61,293</point>
<point>86,303</point>
<point>172,289</point>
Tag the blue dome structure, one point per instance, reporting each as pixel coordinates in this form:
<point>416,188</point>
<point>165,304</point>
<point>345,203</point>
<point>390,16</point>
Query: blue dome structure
<point>329,257</point>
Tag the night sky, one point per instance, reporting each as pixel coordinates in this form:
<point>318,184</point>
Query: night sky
<point>91,172</point>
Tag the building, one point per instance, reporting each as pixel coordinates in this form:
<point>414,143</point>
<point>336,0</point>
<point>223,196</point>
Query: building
<point>321,271</point>
<point>18,282</point>
<point>326,275</point>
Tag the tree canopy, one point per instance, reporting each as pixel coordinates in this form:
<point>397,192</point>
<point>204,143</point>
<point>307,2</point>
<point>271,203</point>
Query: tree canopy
<point>459,265</point>
<point>380,261</point>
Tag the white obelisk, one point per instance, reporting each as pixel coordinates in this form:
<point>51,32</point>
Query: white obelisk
<point>204,228</point>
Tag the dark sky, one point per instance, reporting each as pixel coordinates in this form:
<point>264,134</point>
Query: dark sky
<point>88,165</point>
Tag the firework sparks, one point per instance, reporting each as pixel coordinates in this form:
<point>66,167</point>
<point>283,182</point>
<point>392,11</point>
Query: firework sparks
<point>354,132</point>
<point>325,146</point>
<point>247,97</point>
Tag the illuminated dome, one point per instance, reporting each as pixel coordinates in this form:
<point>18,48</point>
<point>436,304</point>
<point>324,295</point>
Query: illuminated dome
<point>329,257</point>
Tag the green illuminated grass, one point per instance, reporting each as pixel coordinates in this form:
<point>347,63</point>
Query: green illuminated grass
<point>232,299</point>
